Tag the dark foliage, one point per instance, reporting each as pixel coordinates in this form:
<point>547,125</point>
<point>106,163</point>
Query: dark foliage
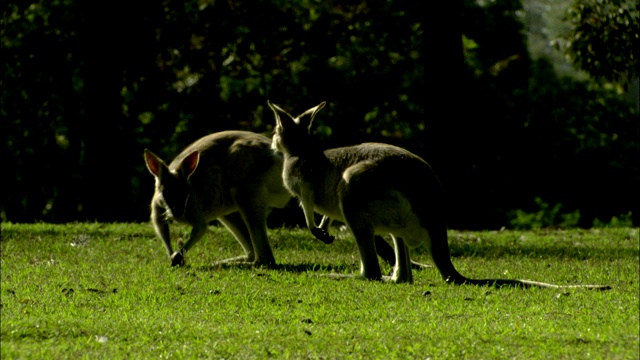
<point>85,89</point>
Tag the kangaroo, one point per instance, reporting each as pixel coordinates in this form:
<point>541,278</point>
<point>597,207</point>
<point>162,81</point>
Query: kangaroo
<point>374,188</point>
<point>232,176</point>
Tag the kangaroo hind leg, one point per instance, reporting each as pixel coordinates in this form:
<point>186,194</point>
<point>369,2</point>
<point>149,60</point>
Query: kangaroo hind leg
<point>369,265</point>
<point>235,224</point>
<point>255,219</point>
<point>402,268</point>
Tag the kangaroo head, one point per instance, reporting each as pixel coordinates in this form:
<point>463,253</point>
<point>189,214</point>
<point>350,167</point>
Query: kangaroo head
<point>291,134</point>
<point>172,186</point>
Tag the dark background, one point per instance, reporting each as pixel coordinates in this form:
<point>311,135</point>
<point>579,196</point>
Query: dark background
<point>86,87</point>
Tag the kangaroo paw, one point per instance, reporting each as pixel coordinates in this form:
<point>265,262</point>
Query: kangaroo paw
<point>322,235</point>
<point>177,259</point>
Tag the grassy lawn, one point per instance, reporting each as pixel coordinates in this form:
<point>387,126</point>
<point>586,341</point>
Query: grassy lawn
<point>107,291</point>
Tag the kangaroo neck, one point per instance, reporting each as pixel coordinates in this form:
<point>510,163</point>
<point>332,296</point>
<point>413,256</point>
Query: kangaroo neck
<point>308,151</point>
<point>308,160</point>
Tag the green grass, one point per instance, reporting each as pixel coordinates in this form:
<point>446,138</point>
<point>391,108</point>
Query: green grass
<point>107,291</point>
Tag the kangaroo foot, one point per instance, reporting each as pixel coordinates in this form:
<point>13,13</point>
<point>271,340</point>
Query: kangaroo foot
<point>177,258</point>
<point>322,235</point>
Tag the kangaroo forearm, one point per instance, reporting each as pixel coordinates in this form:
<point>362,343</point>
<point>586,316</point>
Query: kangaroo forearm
<point>197,232</point>
<point>325,223</point>
<point>162,229</point>
<point>306,199</point>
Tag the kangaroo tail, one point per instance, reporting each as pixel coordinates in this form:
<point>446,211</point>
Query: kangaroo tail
<point>519,283</point>
<point>442,259</point>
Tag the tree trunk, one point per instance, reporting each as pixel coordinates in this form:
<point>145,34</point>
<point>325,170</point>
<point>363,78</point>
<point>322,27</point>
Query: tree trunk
<point>444,98</point>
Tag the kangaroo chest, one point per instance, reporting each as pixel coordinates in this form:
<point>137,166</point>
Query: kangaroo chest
<point>302,175</point>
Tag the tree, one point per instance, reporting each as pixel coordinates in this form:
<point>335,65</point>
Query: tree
<point>605,38</point>
<point>85,90</point>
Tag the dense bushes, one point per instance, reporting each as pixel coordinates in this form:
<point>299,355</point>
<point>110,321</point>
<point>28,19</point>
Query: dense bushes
<point>84,91</point>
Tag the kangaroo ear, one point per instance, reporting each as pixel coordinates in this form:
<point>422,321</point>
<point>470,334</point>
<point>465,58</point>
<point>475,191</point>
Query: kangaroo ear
<point>154,163</point>
<point>281,121</point>
<point>189,164</point>
<point>310,114</point>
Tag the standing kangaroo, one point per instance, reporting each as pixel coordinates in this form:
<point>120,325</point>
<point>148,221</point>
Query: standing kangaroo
<point>375,189</point>
<point>232,176</point>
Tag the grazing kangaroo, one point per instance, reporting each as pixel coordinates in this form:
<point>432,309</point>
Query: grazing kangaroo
<point>375,189</point>
<point>232,176</point>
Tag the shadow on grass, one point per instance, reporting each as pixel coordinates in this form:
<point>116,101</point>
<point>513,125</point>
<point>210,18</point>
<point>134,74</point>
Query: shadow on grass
<point>568,252</point>
<point>314,267</point>
<point>296,268</point>
<point>292,268</point>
